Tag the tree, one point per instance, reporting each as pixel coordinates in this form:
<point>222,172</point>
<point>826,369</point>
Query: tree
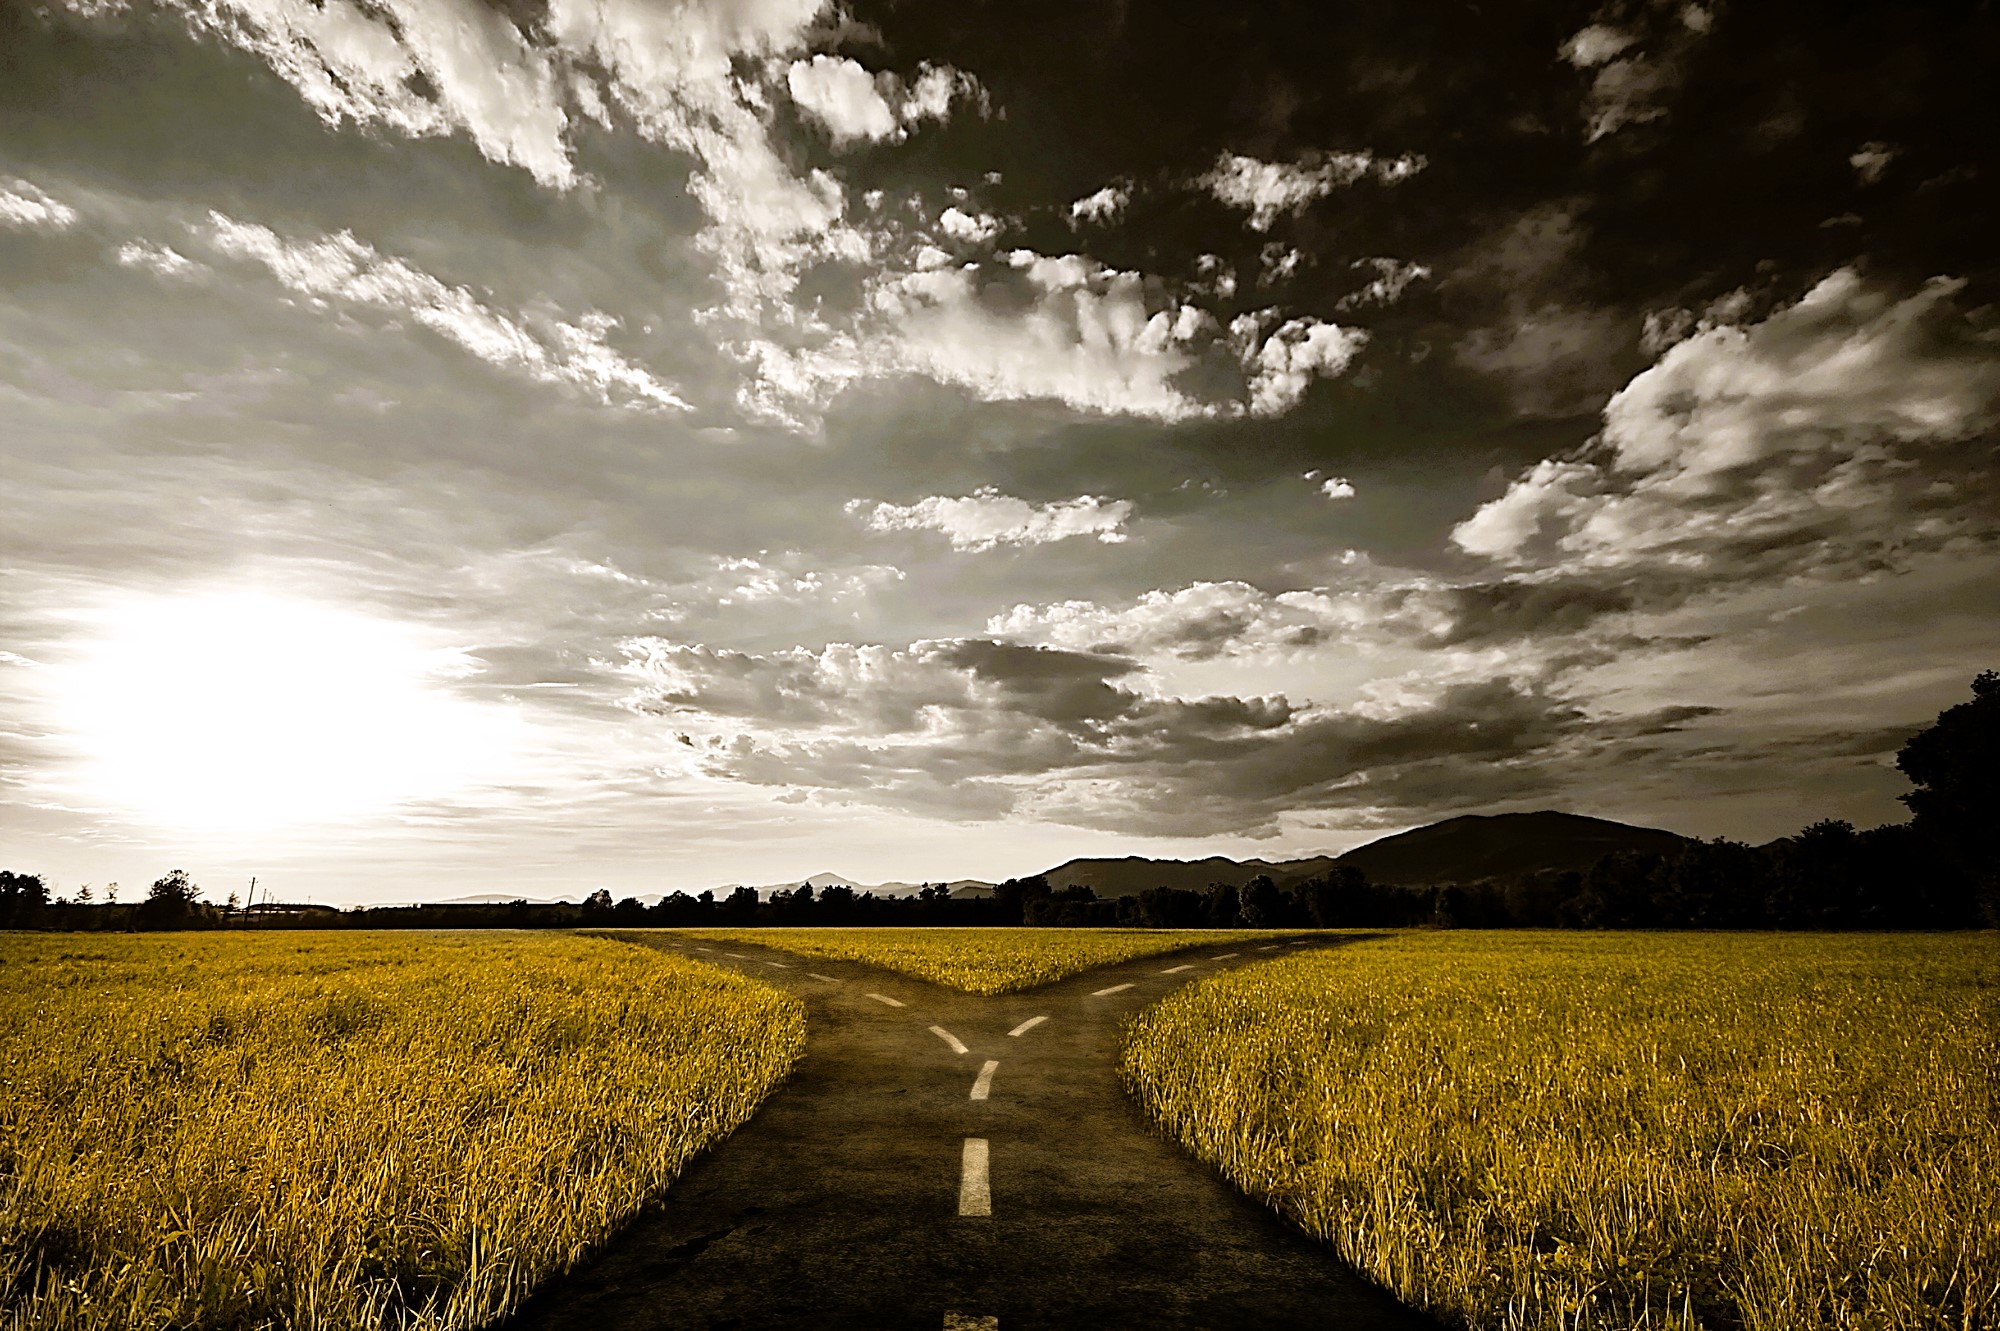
<point>1260,905</point>
<point>1955,767</point>
<point>22,897</point>
<point>170,902</point>
<point>598,902</point>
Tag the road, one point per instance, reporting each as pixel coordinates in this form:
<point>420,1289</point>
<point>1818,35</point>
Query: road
<point>942,1160</point>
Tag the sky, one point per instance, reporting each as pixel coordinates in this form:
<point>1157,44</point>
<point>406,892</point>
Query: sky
<point>536,445</point>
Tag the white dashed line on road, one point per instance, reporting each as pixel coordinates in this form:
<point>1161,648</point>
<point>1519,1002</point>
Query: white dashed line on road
<point>884,998</point>
<point>1027,1025</point>
<point>1270,947</point>
<point>738,955</point>
<point>957,1045</point>
<point>704,949</point>
<point>975,1187</point>
<point>1226,956</point>
<point>781,965</point>
<point>1114,989</point>
<point>817,976</point>
<point>1176,970</point>
<point>983,1083</point>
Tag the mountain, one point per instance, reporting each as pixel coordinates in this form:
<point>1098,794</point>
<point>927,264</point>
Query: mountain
<point>1133,874</point>
<point>1476,846</point>
<point>1457,850</point>
<point>825,880</point>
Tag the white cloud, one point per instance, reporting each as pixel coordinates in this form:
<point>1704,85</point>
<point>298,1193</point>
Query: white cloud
<point>1278,263</point>
<point>1819,439</point>
<point>1285,364</point>
<point>856,106</point>
<point>25,206</point>
<point>986,518</point>
<point>1392,278</point>
<point>968,228</point>
<point>1594,45</point>
<point>340,268</point>
<point>161,261</point>
<point>1870,160</point>
<point>1337,487</point>
<point>1099,208</point>
<point>1268,189</point>
<point>1198,622</point>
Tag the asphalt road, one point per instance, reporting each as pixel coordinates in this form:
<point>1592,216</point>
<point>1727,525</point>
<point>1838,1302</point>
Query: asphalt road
<point>853,1198</point>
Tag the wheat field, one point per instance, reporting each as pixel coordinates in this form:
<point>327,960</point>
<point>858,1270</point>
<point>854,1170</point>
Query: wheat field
<point>1569,1131</point>
<point>347,1130</point>
<point>981,961</point>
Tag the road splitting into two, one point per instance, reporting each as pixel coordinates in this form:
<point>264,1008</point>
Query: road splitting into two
<point>834,1208</point>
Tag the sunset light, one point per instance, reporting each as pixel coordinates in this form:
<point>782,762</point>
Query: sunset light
<point>246,712</point>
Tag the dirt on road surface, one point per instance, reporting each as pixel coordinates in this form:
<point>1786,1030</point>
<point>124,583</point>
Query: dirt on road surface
<point>943,1160</point>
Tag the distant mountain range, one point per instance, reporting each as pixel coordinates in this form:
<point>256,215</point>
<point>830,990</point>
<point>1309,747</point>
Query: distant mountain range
<point>1457,850</point>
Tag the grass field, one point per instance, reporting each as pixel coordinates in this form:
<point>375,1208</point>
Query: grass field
<point>347,1130</point>
<point>981,961</point>
<point>1774,1133</point>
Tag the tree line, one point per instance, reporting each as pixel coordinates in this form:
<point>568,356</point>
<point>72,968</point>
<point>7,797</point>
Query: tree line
<point>1940,870</point>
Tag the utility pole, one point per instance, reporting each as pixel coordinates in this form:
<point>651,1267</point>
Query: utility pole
<point>253,895</point>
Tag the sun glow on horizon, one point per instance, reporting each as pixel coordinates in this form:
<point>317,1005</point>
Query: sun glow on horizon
<point>249,712</point>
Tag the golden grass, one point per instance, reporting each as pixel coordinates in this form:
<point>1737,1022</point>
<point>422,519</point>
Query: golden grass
<point>982,961</point>
<point>1774,1133</point>
<point>347,1130</point>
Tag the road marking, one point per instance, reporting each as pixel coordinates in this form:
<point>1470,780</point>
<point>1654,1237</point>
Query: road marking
<point>699,948</point>
<point>961,1322</point>
<point>1114,989</point>
<point>884,998</point>
<point>975,1188</point>
<point>1270,947</point>
<point>738,955</point>
<point>957,1045</point>
<point>817,976</point>
<point>1176,970</point>
<point>1226,956</point>
<point>983,1083</point>
<point>781,965</point>
<point>1027,1025</point>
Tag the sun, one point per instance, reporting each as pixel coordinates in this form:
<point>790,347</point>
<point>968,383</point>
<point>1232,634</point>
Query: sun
<point>241,712</point>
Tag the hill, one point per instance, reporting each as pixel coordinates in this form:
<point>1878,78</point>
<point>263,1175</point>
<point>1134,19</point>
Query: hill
<point>1133,874</point>
<point>1476,846</point>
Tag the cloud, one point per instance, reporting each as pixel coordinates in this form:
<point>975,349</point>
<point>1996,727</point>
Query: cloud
<point>1870,160</point>
<point>1337,487</point>
<point>1392,278</point>
<point>162,261</point>
<point>1064,328</point>
<point>1100,208</point>
<point>1838,435</point>
<point>341,269</point>
<point>975,729</point>
<point>25,206</point>
<point>856,106</point>
<point>987,519</point>
<point>1594,45</point>
<point>1267,190</point>
<point>968,228</point>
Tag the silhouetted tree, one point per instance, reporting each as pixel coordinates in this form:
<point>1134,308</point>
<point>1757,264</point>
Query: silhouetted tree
<point>170,902</point>
<point>1955,766</point>
<point>1259,905</point>
<point>598,902</point>
<point>22,899</point>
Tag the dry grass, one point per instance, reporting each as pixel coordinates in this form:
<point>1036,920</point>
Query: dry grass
<point>347,1130</point>
<point>1776,1133</point>
<point>982,961</point>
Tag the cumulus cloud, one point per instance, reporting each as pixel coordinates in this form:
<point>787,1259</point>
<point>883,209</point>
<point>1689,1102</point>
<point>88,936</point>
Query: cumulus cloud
<point>1870,160</point>
<point>1840,434</point>
<point>1099,208</point>
<point>1337,487</point>
<point>1060,328</point>
<point>968,228</point>
<point>162,261</point>
<point>1631,86</point>
<point>25,206</point>
<point>340,269</point>
<point>854,105</point>
<point>1267,190</point>
<point>1596,44</point>
<point>986,518</point>
<point>1392,277</point>
<point>1072,736</point>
